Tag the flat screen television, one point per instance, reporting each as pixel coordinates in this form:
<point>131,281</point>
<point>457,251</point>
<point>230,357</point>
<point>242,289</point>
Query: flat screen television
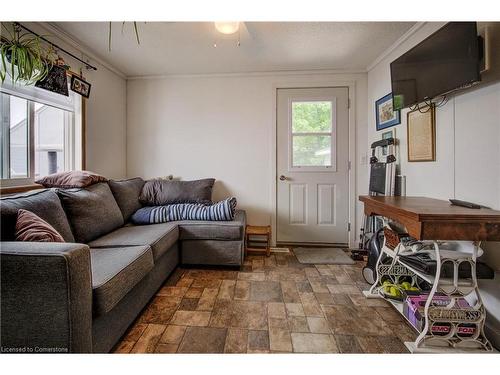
<point>445,61</point>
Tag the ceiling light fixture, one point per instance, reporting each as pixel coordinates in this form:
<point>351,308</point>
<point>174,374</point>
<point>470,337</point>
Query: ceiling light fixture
<point>227,27</point>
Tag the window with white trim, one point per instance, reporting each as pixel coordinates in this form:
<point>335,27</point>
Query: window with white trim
<point>38,139</point>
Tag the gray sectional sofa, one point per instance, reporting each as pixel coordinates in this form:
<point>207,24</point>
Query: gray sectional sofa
<point>82,295</point>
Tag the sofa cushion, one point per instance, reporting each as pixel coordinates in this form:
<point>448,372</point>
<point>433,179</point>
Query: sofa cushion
<point>160,192</point>
<point>92,211</point>
<point>159,236</point>
<point>126,193</point>
<point>115,271</point>
<point>214,230</point>
<point>32,228</point>
<point>43,203</point>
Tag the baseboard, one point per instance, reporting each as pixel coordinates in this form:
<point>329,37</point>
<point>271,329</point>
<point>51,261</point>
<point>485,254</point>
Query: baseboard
<point>280,249</point>
<point>312,244</point>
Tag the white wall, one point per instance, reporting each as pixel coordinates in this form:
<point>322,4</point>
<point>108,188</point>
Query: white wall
<point>467,162</point>
<point>106,123</point>
<point>218,126</point>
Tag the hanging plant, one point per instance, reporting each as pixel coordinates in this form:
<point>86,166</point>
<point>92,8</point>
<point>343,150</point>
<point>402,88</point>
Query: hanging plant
<point>123,25</point>
<point>25,55</point>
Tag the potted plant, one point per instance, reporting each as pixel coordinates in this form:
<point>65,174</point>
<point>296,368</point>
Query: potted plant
<point>25,55</point>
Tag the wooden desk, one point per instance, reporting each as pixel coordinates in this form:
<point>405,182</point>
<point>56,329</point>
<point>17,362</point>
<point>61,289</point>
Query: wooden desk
<point>434,219</point>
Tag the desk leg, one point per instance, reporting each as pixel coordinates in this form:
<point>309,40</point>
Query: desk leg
<point>373,291</point>
<point>420,339</point>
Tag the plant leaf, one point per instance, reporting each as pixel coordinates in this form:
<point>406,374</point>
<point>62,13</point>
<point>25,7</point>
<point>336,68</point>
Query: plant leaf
<point>109,38</point>
<point>13,63</point>
<point>136,32</point>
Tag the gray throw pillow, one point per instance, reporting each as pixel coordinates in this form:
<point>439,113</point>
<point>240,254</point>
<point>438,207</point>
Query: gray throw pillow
<point>126,193</point>
<point>159,192</point>
<point>92,211</point>
<point>43,203</point>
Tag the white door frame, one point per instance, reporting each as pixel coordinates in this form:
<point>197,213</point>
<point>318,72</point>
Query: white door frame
<point>351,85</point>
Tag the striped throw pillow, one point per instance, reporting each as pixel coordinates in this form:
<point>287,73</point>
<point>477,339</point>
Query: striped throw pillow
<point>220,211</point>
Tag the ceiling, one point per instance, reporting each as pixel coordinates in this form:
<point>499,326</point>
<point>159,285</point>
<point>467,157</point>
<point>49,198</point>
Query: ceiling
<point>188,47</point>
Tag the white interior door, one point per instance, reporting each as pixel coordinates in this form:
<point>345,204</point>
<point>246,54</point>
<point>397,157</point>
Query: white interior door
<point>312,165</point>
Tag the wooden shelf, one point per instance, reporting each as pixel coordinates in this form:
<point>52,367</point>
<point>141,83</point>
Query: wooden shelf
<point>258,231</point>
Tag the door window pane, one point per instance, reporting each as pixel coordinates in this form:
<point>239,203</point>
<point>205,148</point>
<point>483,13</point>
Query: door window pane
<point>14,137</point>
<point>312,150</point>
<point>50,128</point>
<point>311,133</point>
<point>311,117</point>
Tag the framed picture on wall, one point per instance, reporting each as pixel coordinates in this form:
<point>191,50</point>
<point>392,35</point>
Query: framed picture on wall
<point>421,127</point>
<point>385,116</point>
<point>80,86</point>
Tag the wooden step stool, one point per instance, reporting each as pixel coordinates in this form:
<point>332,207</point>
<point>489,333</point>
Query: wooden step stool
<point>260,231</point>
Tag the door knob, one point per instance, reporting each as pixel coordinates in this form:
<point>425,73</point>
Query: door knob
<point>283,178</point>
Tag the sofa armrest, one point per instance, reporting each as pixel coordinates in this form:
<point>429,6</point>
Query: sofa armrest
<point>46,297</point>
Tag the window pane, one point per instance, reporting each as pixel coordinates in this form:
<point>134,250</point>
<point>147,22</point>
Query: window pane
<point>312,151</point>
<point>311,117</point>
<point>55,134</point>
<point>49,140</point>
<point>14,137</point>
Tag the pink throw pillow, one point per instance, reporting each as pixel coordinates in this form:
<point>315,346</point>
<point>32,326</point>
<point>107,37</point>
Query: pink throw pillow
<point>32,228</point>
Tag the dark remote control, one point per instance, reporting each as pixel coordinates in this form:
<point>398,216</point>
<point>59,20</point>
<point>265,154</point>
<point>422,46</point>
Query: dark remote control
<point>457,202</point>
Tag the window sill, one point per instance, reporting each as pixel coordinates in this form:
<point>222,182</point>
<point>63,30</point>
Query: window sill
<point>19,189</point>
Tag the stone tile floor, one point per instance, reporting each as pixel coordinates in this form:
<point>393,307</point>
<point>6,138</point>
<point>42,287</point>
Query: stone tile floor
<point>271,305</point>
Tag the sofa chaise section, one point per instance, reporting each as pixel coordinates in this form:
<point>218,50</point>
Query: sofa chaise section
<point>201,242</point>
<point>213,242</point>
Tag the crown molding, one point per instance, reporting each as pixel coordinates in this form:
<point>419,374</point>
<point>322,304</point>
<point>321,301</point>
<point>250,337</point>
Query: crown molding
<point>78,45</point>
<point>252,74</point>
<point>412,30</point>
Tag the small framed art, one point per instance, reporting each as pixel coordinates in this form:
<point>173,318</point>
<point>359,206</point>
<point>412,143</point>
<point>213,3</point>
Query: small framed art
<point>385,116</point>
<point>422,135</point>
<point>80,86</point>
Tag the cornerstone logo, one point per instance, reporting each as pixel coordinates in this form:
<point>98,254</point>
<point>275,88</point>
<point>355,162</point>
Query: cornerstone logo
<point>32,349</point>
